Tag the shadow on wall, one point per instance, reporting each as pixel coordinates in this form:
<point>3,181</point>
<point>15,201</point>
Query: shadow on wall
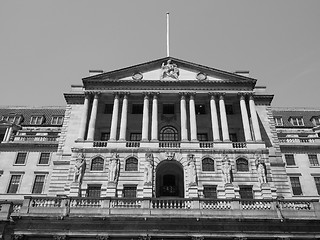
<point>264,134</point>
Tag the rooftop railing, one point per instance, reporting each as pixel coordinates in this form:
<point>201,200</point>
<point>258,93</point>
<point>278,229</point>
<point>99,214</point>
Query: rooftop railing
<point>295,140</point>
<point>215,208</point>
<point>36,138</point>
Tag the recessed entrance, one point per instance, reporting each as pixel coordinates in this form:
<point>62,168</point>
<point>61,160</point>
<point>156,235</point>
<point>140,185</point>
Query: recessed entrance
<point>169,179</point>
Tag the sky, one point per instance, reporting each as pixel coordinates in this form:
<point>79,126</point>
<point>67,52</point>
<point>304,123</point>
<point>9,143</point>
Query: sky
<point>45,46</point>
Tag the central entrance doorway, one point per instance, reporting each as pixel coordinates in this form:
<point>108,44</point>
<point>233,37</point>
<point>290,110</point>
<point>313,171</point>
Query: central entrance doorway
<point>169,179</point>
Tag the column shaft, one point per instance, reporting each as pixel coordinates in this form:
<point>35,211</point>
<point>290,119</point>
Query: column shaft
<point>224,121</point>
<point>245,119</point>
<point>254,119</point>
<point>183,116</point>
<point>83,124</point>
<point>93,117</point>
<point>6,135</point>
<point>124,117</point>
<point>154,124</point>
<point>214,119</point>
<point>193,119</point>
<point>145,119</point>
<point>114,120</point>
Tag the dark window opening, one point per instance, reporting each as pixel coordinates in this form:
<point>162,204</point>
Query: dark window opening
<point>210,191</point>
<point>38,184</point>
<point>245,192</point>
<point>105,136</point>
<point>233,137</point>
<point>168,134</point>
<point>130,191</point>
<point>97,164</point>
<point>137,109</point>
<point>202,136</point>
<point>229,109</point>
<point>135,136</point>
<point>131,164</point>
<point>93,191</point>
<point>200,109</point>
<point>168,109</point>
<point>207,164</point>
<point>296,186</point>
<point>242,165</point>
<point>108,108</point>
<point>290,159</point>
<point>21,158</point>
<point>44,158</point>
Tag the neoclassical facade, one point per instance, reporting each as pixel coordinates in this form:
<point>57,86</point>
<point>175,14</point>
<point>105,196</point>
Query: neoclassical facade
<point>166,149</point>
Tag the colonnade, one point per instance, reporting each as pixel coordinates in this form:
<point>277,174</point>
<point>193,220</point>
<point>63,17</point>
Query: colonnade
<point>215,98</point>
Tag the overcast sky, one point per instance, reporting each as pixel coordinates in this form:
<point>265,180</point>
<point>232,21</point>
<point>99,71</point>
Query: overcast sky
<point>45,46</point>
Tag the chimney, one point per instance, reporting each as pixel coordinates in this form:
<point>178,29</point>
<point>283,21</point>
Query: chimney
<point>242,73</point>
<point>95,72</point>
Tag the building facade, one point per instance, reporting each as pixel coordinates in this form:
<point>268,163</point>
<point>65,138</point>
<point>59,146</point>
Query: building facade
<point>166,149</point>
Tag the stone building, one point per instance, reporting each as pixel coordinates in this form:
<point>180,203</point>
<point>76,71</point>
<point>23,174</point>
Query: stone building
<point>166,149</point>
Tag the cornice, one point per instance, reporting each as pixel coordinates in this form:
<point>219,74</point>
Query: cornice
<point>74,98</point>
<point>30,147</point>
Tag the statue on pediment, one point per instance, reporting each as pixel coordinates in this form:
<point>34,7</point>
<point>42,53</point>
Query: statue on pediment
<point>169,70</point>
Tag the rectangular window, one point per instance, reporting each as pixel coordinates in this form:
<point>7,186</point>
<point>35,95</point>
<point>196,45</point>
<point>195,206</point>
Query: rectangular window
<point>130,191</point>
<point>210,191</point>
<point>296,186</point>
<point>229,109</point>
<point>200,109</point>
<point>245,192</point>
<point>313,159</point>
<point>297,121</point>
<point>38,184</point>
<point>289,159</point>
<point>316,121</point>
<point>202,136</point>
<point>57,120</point>
<point>14,184</point>
<point>36,120</point>
<point>137,109</point>
<point>44,158</point>
<point>317,181</point>
<point>94,191</point>
<point>12,119</point>
<point>108,108</point>
<point>105,136</point>
<point>168,108</point>
<point>278,121</point>
<point>21,158</point>
<point>135,136</point>
<point>233,137</point>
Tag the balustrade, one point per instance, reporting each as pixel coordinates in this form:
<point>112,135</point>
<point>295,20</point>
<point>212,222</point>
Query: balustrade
<point>100,144</point>
<point>45,202</point>
<point>295,205</point>
<point>85,202</point>
<point>171,203</point>
<point>239,145</point>
<point>255,205</point>
<point>206,144</point>
<point>126,203</point>
<point>37,138</point>
<point>132,144</point>
<point>215,204</point>
<point>299,139</point>
<point>166,144</point>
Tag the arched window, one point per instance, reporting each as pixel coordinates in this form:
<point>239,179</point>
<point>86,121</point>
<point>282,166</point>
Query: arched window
<point>131,164</point>
<point>168,134</point>
<point>97,164</point>
<point>242,165</point>
<point>207,164</point>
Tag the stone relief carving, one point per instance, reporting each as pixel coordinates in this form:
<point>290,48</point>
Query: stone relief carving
<point>192,173</point>
<point>79,168</point>
<point>170,155</point>
<point>226,169</point>
<point>169,70</point>
<point>261,170</point>
<point>114,167</point>
<point>148,169</point>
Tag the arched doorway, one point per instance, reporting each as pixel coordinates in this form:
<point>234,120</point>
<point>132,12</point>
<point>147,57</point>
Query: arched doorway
<point>169,179</point>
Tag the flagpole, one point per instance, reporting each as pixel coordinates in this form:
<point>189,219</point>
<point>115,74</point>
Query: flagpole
<point>168,53</point>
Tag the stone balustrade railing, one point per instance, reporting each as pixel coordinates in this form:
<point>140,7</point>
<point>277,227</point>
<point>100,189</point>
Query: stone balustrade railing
<point>132,144</point>
<point>76,206</point>
<point>100,143</point>
<point>206,144</point>
<point>299,140</point>
<point>36,138</point>
<point>169,144</point>
<point>239,145</point>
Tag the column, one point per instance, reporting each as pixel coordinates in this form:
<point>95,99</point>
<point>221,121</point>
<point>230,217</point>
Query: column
<point>214,119</point>
<point>145,118</point>
<point>8,134</point>
<point>154,124</point>
<point>183,116</point>
<point>114,120</point>
<point>124,117</point>
<point>245,119</point>
<point>254,119</point>
<point>193,119</point>
<point>84,118</point>
<point>93,117</point>
<point>223,116</point>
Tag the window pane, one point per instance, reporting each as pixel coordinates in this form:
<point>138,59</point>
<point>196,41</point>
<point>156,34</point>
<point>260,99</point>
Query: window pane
<point>202,136</point>
<point>207,164</point>
<point>200,109</point>
<point>210,191</point>
<point>296,187</point>
<point>137,108</point>
<point>21,158</point>
<point>130,191</point>
<point>131,164</point>
<point>108,108</point>
<point>14,183</point>
<point>38,184</point>
<point>135,137</point>
<point>93,191</point>
<point>229,109</point>
<point>44,158</point>
<point>245,192</point>
<point>168,109</point>
<point>97,164</point>
<point>168,134</point>
<point>313,159</point>
<point>105,136</point>
<point>290,159</point>
<point>242,165</point>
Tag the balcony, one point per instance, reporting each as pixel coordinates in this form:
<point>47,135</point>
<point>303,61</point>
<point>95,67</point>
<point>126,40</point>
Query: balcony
<point>299,140</point>
<point>209,208</point>
<point>36,138</point>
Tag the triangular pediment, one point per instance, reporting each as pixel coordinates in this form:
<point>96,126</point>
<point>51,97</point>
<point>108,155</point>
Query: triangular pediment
<point>170,69</point>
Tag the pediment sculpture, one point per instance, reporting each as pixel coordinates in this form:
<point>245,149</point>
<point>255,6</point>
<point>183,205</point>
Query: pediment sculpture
<point>169,70</point>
